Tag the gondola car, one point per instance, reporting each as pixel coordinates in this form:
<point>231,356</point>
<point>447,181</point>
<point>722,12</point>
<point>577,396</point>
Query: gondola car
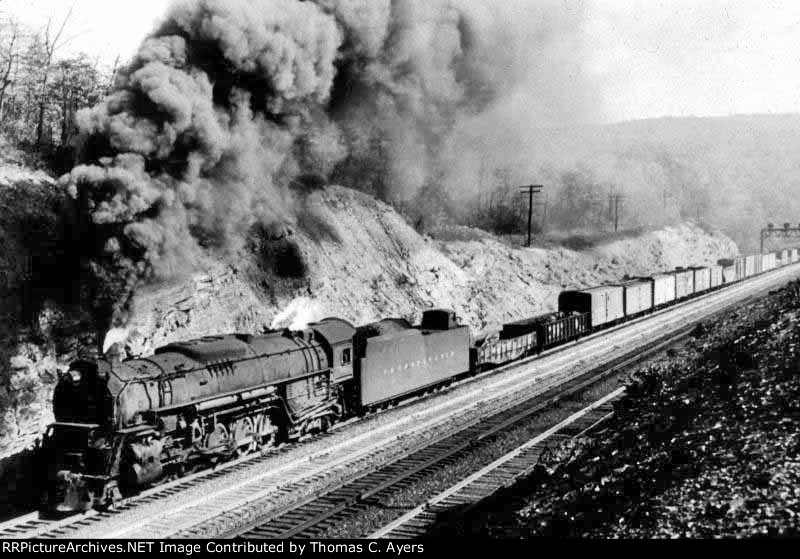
<point>515,341</point>
<point>561,327</point>
<point>526,337</point>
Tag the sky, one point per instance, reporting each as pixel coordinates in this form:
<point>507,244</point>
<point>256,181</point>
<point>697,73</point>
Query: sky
<point>651,58</point>
<point>101,28</point>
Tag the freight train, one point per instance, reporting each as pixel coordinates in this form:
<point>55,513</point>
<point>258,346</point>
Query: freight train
<point>123,426</point>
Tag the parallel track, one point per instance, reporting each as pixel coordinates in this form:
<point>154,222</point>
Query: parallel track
<point>262,489</point>
<point>336,505</point>
<point>503,472</point>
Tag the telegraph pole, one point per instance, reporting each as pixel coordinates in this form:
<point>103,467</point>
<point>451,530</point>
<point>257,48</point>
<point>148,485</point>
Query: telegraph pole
<point>614,202</point>
<point>530,190</point>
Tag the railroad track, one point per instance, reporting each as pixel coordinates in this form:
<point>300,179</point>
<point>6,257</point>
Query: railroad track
<point>238,494</point>
<point>33,525</point>
<point>307,490</point>
<point>332,507</point>
<point>501,473</point>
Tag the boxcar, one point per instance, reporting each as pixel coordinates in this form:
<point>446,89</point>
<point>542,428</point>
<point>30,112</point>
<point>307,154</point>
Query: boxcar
<point>638,297</point>
<point>729,274</point>
<point>785,257</point>
<point>716,276</point>
<point>663,289</point>
<point>702,279</point>
<point>684,283</point>
<point>604,304</point>
<point>768,262</point>
<point>404,360</point>
<point>739,264</point>
<point>750,265</point>
<point>794,255</point>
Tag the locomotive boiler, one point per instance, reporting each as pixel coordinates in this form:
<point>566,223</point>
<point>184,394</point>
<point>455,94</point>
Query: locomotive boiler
<point>120,426</point>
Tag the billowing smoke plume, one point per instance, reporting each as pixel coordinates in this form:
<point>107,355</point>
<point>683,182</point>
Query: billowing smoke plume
<point>230,103</point>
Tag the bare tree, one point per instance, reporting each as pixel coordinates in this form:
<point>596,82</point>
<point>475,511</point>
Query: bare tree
<point>8,57</point>
<point>52,42</point>
<point>76,83</point>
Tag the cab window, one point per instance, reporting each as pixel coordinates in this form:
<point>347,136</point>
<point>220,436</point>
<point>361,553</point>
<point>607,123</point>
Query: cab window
<point>346,356</point>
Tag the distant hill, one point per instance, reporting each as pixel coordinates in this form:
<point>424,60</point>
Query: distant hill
<point>733,173</point>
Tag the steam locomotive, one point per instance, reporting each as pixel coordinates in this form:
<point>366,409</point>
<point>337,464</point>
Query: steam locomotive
<point>123,426</point>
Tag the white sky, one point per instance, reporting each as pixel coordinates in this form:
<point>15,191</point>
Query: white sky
<point>697,57</point>
<point>104,28</point>
<point>652,58</point>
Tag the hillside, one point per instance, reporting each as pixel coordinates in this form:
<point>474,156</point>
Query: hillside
<point>365,263</point>
<point>735,174</point>
<point>357,258</point>
<point>371,264</point>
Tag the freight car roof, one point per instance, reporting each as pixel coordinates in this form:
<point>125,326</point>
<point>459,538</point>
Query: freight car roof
<point>600,289</point>
<point>637,281</point>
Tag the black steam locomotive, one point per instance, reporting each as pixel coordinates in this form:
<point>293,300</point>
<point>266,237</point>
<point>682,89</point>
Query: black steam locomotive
<point>121,426</point>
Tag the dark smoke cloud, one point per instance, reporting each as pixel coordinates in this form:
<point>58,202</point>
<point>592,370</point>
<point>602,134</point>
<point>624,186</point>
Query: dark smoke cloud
<point>228,102</point>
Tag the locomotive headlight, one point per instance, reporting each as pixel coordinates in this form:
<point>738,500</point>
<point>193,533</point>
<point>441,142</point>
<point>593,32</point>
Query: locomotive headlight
<point>75,376</point>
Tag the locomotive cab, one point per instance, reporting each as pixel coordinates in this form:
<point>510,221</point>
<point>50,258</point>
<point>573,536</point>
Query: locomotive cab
<point>336,337</point>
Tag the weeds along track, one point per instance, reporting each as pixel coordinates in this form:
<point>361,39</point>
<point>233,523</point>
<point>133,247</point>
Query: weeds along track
<point>238,495</point>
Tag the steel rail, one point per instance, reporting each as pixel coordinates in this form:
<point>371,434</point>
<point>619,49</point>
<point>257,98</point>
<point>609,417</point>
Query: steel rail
<point>498,379</point>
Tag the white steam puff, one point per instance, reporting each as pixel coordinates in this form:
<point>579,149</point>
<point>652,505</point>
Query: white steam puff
<point>114,336</point>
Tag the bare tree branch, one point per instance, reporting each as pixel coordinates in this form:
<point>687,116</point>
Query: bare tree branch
<point>50,46</point>
<point>10,55</point>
